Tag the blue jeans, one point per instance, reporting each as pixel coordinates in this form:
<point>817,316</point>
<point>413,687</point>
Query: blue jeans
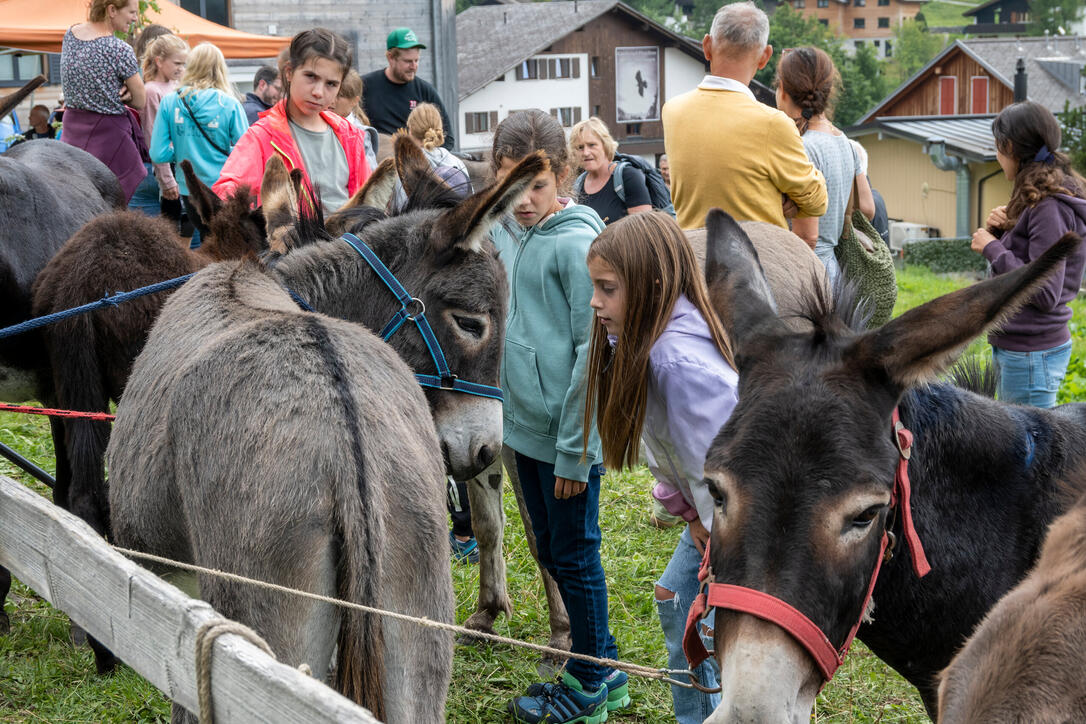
<point>828,257</point>
<point>145,198</point>
<point>567,536</point>
<point>681,578</point>
<point>1031,378</point>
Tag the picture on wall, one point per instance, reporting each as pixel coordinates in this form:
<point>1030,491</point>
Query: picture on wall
<point>637,84</point>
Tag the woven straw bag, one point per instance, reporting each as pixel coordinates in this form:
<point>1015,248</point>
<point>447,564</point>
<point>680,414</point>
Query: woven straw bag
<point>867,262</point>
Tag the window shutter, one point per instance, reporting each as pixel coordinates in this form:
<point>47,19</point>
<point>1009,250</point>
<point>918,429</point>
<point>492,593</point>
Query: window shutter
<point>469,123</point>
<point>542,69</point>
<point>520,71</point>
<point>576,67</point>
<point>576,114</point>
<point>554,112</point>
<point>53,61</point>
<point>552,65</point>
<point>493,120</point>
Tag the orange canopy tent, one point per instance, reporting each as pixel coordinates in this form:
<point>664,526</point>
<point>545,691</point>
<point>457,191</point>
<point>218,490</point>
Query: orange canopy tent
<point>39,25</point>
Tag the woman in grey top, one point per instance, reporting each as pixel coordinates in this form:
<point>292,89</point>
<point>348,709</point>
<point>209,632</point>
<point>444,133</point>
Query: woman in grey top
<point>807,82</point>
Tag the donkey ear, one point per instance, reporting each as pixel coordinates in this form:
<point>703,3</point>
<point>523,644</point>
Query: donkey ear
<point>737,285</point>
<point>203,199</point>
<point>412,166</point>
<point>923,342</point>
<point>377,190</point>
<point>469,223</point>
<point>279,202</point>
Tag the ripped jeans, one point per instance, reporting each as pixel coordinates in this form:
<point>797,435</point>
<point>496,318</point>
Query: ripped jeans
<point>681,577</point>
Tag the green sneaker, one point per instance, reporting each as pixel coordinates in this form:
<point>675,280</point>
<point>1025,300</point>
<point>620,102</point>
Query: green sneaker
<point>618,690</point>
<point>565,702</point>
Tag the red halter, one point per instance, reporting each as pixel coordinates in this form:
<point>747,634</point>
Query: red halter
<point>772,609</point>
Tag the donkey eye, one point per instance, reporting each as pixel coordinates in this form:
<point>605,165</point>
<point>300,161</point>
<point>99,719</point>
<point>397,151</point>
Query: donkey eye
<point>472,326</point>
<point>719,496</point>
<point>864,519</point>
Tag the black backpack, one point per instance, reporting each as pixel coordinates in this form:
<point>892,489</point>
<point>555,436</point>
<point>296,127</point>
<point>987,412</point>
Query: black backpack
<point>659,195</point>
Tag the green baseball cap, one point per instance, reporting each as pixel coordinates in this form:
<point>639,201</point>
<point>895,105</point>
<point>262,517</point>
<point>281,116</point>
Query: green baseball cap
<point>404,38</point>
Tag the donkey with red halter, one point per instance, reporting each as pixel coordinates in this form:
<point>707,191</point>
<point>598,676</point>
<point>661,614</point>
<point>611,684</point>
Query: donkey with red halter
<point>799,535</point>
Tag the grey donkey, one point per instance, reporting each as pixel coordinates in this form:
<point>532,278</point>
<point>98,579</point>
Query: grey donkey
<point>297,448</point>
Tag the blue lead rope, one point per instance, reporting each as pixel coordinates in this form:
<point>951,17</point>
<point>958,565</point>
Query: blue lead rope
<point>412,308</point>
<point>110,300</point>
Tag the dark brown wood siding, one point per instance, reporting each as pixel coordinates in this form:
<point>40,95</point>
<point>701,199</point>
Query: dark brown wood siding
<point>923,98</point>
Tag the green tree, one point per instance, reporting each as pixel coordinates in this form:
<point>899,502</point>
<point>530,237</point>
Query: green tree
<point>914,47</point>
<point>1073,128</point>
<point>863,85</point>
<point>1053,16</point>
<point>789,28</point>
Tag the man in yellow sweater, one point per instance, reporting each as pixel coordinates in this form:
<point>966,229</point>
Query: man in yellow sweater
<point>725,148</point>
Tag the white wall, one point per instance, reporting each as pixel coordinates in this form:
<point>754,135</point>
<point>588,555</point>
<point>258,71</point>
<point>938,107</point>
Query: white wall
<point>681,73</point>
<point>518,95</point>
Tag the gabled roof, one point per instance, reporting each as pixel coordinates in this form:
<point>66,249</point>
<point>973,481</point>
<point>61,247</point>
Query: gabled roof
<point>983,6</point>
<point>967,136</point>
<point>999,56</point>
<point>493,39</point>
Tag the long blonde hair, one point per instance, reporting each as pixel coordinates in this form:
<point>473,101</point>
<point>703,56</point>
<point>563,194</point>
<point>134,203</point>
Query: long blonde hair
<point>204,69</point>
<point>161,47</point>
<point>425,126</point>
<point>351,87</point>
<point>656,264</point>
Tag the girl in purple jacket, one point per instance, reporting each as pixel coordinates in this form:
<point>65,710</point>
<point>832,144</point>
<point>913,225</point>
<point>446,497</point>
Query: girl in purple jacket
<point>1031,351</point>
<point>660,369</point>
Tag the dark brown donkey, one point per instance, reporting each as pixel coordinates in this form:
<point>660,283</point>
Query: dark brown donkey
<point>89,357</point>
<point>1027,660</point>
<point>804,523</point>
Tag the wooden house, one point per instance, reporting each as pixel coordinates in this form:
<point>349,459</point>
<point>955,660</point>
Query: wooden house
<point>999,17</point>
<point>858,22</point>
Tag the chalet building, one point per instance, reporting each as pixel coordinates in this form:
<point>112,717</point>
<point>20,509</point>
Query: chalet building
<point>575,59</point>
<point>930,145</point>
<point>859,22</point>
<point>999,17</point>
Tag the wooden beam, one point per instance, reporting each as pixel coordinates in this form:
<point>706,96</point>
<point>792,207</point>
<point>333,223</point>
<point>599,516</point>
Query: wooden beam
<point>148,623</point>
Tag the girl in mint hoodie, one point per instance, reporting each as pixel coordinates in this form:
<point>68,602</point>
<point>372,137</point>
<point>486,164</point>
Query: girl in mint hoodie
<point>543,373</point>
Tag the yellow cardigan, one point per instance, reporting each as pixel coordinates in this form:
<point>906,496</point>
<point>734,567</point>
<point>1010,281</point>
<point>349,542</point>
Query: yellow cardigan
<point>728,150</point>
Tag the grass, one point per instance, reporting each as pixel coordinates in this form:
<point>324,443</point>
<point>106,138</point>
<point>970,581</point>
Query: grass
<point>944,15</point>
<point>44,679</point>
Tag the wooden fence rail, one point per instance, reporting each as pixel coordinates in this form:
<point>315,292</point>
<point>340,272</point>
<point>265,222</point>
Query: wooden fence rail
<point>150,624</point>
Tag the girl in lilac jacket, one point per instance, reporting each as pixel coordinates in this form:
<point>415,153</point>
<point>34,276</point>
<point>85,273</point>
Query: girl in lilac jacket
<point>660,369</point>
<point>1032,349</point>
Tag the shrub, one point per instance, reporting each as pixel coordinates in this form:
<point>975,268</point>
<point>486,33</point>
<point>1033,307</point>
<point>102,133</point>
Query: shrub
<point>945,255</point>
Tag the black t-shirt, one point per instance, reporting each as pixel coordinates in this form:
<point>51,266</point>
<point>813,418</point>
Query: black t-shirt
<point>389,104</point>
<point>607,203</point>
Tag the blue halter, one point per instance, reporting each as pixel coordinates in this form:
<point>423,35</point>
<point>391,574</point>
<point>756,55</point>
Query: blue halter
<point>412,308</point>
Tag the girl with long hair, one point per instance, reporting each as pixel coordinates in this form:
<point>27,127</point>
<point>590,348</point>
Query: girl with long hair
<point>1048,199</point>
<point>349,105</point>
<point>163,63</point>
<point>301,129</point>
<point>425,126</point>
<point>807,84</point>
<point>100,75</point>
<point>542,372</point>
<point>199,122</point>
<point>660,370</point>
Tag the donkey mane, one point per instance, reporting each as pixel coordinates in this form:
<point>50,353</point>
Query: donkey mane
<point>832,312</point>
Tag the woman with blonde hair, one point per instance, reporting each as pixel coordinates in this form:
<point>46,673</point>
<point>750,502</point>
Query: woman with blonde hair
<point>100,74</point>
<point>425,126</point>
<point>163,63</point>
<point>199,122</point>
<point>593,149</point>
<point>349,105</point>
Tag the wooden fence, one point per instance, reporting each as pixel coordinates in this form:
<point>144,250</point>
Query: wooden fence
<point>148,623</point>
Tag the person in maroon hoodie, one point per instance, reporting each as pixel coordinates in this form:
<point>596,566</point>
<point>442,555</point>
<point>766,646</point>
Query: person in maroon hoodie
<point>1033,348</point>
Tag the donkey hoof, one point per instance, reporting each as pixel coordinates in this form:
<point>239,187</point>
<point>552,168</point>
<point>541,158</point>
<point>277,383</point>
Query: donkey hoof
<point>5,624</point>
<point>549,667</point>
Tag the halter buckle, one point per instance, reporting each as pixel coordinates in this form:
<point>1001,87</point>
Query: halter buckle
<point>421,308</point>
<point>891,542</point>
<point>448,382</point>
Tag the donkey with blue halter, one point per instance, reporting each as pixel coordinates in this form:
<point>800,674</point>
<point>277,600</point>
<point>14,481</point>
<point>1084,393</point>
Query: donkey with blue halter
<point>296,447</point>
<point>800,532</point>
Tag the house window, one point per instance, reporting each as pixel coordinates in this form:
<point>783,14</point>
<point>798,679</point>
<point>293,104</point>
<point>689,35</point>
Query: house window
<point>884,22</point>
<point>884,3</point>
<point>859,3</point>
<point>823,3</point>
<point>567,116</point>
<point>858,23</point>
<point>800,4</point>
<point>217,11</point>
<point>978,94</point>
<point>876,43</point>
<point>528,70</point>
<point>888,50</point>
<point>17,68</point>
<point>594,67</point>
<point>858,44</point>
<point>480,122</point>
<point>824,22</point>
<point>633,129</point>
<point>948,95</point>
<point>596,111</point>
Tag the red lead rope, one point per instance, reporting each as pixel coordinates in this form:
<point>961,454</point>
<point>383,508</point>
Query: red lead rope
<point>101,416</point>
<point>770,608</point>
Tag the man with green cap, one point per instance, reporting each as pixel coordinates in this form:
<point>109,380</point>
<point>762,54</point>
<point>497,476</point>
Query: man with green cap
<point>390,94</point>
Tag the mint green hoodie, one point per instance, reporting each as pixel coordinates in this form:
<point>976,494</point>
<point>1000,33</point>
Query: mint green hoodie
<point>547,337</point>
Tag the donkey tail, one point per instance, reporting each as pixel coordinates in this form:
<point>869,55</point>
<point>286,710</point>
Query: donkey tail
<point>360,662</point>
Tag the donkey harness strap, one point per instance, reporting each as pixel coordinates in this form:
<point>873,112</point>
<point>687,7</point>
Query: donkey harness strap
<point>770,608</point>
<point>444,379</point>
